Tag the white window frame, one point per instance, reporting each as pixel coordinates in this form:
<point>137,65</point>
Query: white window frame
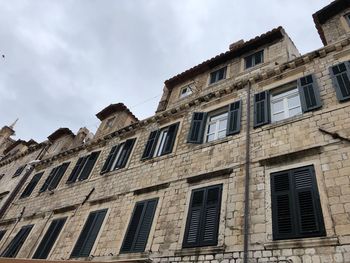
<point>284,97</point>
<point>160,142</point>
<point>223,112</point>
<point>109,122</point>
<point>117,157</point>
<point>188,91</point>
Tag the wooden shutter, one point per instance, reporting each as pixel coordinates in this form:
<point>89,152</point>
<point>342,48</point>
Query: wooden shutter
<point>110,159</point>
<point>150,145</point>
<point>2,233</point>
<point>309,93</point>
<point>15,245</point>
<point>48,180</point>
<point>58,175</point>
<point>170,138</point>
<point>234,118</point>
<point>261,109</point>
<point>203,217</point>
<point>32,184</point>
<point>89,234</point>
<point>340,75</point>
<point>124,154</point>
<point>296,208</point>
<point>139,227</point>
<point>196,132</point>
<point>19,170</point>
<point>76,170</point>
<point>89,165</point>
<point>49,239</point>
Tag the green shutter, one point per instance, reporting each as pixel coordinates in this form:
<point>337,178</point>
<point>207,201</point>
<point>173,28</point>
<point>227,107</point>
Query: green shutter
<point>309,93</point>
<point>170,138</point>
<point>234,118</point>
<point>340,75</point>
<point>150,145</point>
<point>196,132</point>
<point>261,109</point>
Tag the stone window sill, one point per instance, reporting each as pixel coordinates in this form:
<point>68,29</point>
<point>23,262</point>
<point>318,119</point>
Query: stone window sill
<point>302,243</point>
<point>199,250</point>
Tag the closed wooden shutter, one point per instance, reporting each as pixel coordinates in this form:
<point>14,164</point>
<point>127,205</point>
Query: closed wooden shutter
<point>2,233</point>
<point>261,109</point>
<point>58,175</point>
<point>76,170</point>
<point>19,170</point>
<point>234,118</point>
<point>150,145</point>
<point>16,244</point>
<point>296,208</point>
<point>32,184</point>
<point>309,93</point>
<point>170,139</point>
<point>340,75</point>
<point>89,234</point>
<point>139,227</point>
<point>124,154</point>
<point>89,165</point>
<point>48,180</point>
<point>109,161</point>
<point>196,132</point>
<point>49,239</point>
<point>203,217</point>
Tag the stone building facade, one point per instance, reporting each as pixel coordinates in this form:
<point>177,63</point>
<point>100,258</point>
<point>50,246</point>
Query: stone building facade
<point>247,159</point>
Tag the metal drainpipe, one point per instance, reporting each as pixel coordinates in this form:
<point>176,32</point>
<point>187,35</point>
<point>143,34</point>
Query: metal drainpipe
<point>247,175</point>
<point>18,187</point>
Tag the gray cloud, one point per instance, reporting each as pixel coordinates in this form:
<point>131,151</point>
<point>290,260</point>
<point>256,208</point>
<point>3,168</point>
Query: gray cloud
<point>68,59</point>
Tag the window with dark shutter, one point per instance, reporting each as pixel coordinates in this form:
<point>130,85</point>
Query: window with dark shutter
<point>341,80</point>
<point>83,168</point>
<point>296,208</point>
<point>203,217</point>
<point>261,109</point>
<point>309,93</point>
<point>54,177</point>
<point>234,118</point>
<point>89,234</point>
<point>2,233</point>
<point>32,184</point>
<point>150,145</point>
<point>139,227</point>
<point>76,170</point>
<point>196,132</point>
<point>169,139</point>
<point>118,156</point>
<point>46,244</point>
<point>17,242</point>
<point>19,170</point>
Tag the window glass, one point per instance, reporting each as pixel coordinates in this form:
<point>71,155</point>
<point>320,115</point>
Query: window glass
<point>216,127</point>
<point>285,105</point>
<point>254,59</point>
<point>218,75</point>
<point>185,91</point>
<point>161,142</point>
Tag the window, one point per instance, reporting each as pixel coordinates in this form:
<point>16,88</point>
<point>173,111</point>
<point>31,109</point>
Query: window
<point>46,244</point>
<point>186,91</point>
<point>217,75</point>
<point>139,227</point>
<point>89,234</point>
<point>203,217</point>
<point>160,142</point>
<point>15,245</point>
<point>347,18</point>
<point>54,177</point>
<point>292,99</point>
<point>285,105</point>
<point>341,80</point>
<point>296,208</point>
<point>118,156</point>
<point>19,170</point>
<point>83,167</point>
<point>2,176</point>
<point>30,187</point>
<point>254,59</point>
<point>215,125</point>
<point>2,233</point>
<point>109,123</point>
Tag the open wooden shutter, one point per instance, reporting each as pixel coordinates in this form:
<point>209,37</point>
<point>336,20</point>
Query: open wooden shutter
<point>2,233</point>
<point>125,153</point>
<point>196,132</point>
<point>58,175</point>
<point>15,245</point>
<point>76,170</point>
<point>109,161</point>
<point>261,109</point>
<point>48,180</point>
<point>309,93</point>
<point>89,165</point>
<point>340,75</point>
<point>234,118</point>
<point>139,227</point>
<point>30,187</point>
<point>170,138</point>
<point>49,239</point>
<point>150,145</point>
<point>19,170</point>
<point>89,234</point>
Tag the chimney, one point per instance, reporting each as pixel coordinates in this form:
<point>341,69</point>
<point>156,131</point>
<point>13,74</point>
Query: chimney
<point>236,44</point>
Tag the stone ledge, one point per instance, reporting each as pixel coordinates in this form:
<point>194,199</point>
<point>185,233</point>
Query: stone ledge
<point>199,251</point>
<point>302,243</point>
<point>208,175</point>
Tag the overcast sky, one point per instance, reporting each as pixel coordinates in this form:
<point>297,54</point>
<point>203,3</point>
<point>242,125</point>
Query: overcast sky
<point>67,60</point>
